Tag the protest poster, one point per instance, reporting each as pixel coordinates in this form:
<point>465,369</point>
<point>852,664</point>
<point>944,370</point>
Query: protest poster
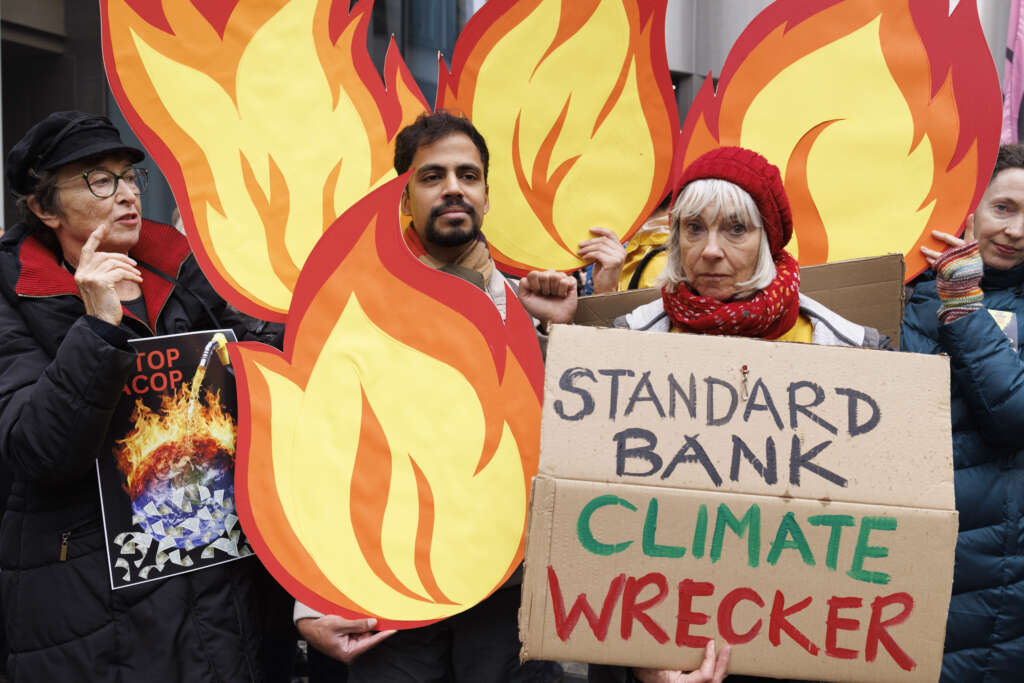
<point>166,472</point>
<point>793,500</point>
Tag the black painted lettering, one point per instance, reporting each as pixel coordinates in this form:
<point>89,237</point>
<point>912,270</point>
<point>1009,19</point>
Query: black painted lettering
<point>767,470</point>
<point>613,396</point>
<point>805,408</point>
<point>799,460</point>
<point>769,404</point>
<point>567,382</point>
<point>698,455</point>
<point>645,452</point>
<point>690,400</point>
<point>644,392</point>
<point>734,398</point>
<point>853,399</point>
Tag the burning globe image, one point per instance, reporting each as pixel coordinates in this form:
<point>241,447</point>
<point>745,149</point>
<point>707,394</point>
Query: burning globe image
<point>178,464</point>
<point>168,491</point>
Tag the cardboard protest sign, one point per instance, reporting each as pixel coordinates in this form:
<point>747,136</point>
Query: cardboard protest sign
<point>166,473</point>
<point>793,500</point>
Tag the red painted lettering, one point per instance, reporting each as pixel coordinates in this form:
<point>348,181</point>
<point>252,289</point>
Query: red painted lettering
<point>564,625</point>
<point>633,610</point>
<point>687,617</point>
<point>833,623</point>
<point>175,376</point>
<point>878,629</point>
<point>158,362</point>
<point>779,622</point>
<point>725,609</point>
<point>172,355</point>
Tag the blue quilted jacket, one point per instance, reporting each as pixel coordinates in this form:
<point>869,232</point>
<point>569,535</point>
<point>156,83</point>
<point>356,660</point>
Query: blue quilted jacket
<point>985,629</point>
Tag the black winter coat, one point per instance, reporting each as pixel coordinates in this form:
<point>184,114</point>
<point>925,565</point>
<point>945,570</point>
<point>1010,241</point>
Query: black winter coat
<point>985,629</point>
<point>61,376</point>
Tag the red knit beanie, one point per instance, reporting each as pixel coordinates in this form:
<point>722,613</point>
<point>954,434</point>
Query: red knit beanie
<point>758,177</point>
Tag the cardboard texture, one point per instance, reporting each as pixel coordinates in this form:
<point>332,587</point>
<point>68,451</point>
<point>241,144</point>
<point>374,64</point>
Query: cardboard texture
<point>812,525</point>
<point>868,291</point>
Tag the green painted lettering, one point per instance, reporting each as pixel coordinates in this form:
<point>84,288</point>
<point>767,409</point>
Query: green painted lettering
<point>586,536</point>
<point>650,546</point>
<point>837,522</point>
<point>750,524</point>
<point>863,550</point>
<point>790,535</point>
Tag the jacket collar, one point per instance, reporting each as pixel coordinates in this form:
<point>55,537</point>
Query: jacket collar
<point>160,246</point>
<point>1002,279</point>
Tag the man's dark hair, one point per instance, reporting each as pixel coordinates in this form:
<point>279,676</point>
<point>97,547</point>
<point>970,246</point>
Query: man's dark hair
<point>428,129</point>
<point>1010,156</point>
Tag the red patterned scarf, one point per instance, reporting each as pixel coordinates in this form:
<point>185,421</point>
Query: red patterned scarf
<point>768,314</point>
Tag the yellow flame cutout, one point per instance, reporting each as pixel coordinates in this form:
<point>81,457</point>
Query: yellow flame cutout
<point>846,175</point>
<point>413,396</point>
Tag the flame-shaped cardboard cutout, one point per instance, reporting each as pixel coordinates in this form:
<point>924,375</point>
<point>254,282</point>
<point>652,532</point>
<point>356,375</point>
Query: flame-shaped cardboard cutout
<point>577,104</point>
<point>389,450</point>
<point>384,457</point>
<point>269,120</point>
<point>882,115</point>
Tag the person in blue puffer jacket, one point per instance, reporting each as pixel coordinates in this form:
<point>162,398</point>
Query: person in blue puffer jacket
<point>972,312</point>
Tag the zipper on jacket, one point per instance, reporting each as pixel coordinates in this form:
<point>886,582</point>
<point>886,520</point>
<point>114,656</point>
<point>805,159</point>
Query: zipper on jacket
<point>65,537</point>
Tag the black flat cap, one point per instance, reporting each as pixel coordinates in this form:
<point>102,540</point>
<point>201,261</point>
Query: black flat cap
<point>62,138</point>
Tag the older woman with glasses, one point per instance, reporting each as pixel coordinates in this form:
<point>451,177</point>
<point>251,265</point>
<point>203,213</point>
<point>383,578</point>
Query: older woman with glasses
<point>81,275</point>
<point>728,273</point>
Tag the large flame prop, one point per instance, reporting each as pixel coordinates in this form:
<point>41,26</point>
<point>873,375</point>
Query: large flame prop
<point>883,116</point>
<point>266,138</point>
<point>389,451</point>
<point>576,101</point>
<point>384,457</point>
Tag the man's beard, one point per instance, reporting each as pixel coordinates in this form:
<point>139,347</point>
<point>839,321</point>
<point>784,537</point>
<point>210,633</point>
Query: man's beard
<point>454,236</point>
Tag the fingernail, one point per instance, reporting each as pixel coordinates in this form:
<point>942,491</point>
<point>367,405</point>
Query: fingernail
<point>370,623</point>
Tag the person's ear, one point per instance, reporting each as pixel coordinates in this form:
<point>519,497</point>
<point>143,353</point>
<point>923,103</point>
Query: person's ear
<point>405,202</point>
<point>50,220</point>
<point>969,232</point>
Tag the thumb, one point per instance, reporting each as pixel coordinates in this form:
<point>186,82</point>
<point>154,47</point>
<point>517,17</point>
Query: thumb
<point>356,625</point>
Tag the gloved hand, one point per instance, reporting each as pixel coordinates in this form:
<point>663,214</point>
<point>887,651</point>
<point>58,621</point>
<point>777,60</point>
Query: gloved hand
<point>958,280</point>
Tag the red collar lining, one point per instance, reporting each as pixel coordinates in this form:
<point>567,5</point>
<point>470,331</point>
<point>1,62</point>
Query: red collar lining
<point>160,246</point>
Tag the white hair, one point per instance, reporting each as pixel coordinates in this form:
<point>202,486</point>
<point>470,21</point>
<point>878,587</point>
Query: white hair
<point>722,196</point>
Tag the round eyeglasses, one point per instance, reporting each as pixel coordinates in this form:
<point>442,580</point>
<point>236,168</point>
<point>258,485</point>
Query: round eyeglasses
<point>103,183</point>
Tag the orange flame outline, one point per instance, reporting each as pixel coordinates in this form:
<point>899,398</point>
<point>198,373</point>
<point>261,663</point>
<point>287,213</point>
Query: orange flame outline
<point>217,36</point>
<point>538,182</point>
<point>260,507</point>
<point>939,61</point>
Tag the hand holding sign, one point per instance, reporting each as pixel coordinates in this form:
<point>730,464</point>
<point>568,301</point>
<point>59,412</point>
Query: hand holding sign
<point>712,670</point>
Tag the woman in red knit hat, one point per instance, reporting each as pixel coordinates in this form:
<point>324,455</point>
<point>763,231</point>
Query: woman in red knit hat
<point>727,272</point>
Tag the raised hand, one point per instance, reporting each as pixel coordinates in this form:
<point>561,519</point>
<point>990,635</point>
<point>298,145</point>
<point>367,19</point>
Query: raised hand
<point>104,276</point>
<point>608,256</point>
<point>549,295</point>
